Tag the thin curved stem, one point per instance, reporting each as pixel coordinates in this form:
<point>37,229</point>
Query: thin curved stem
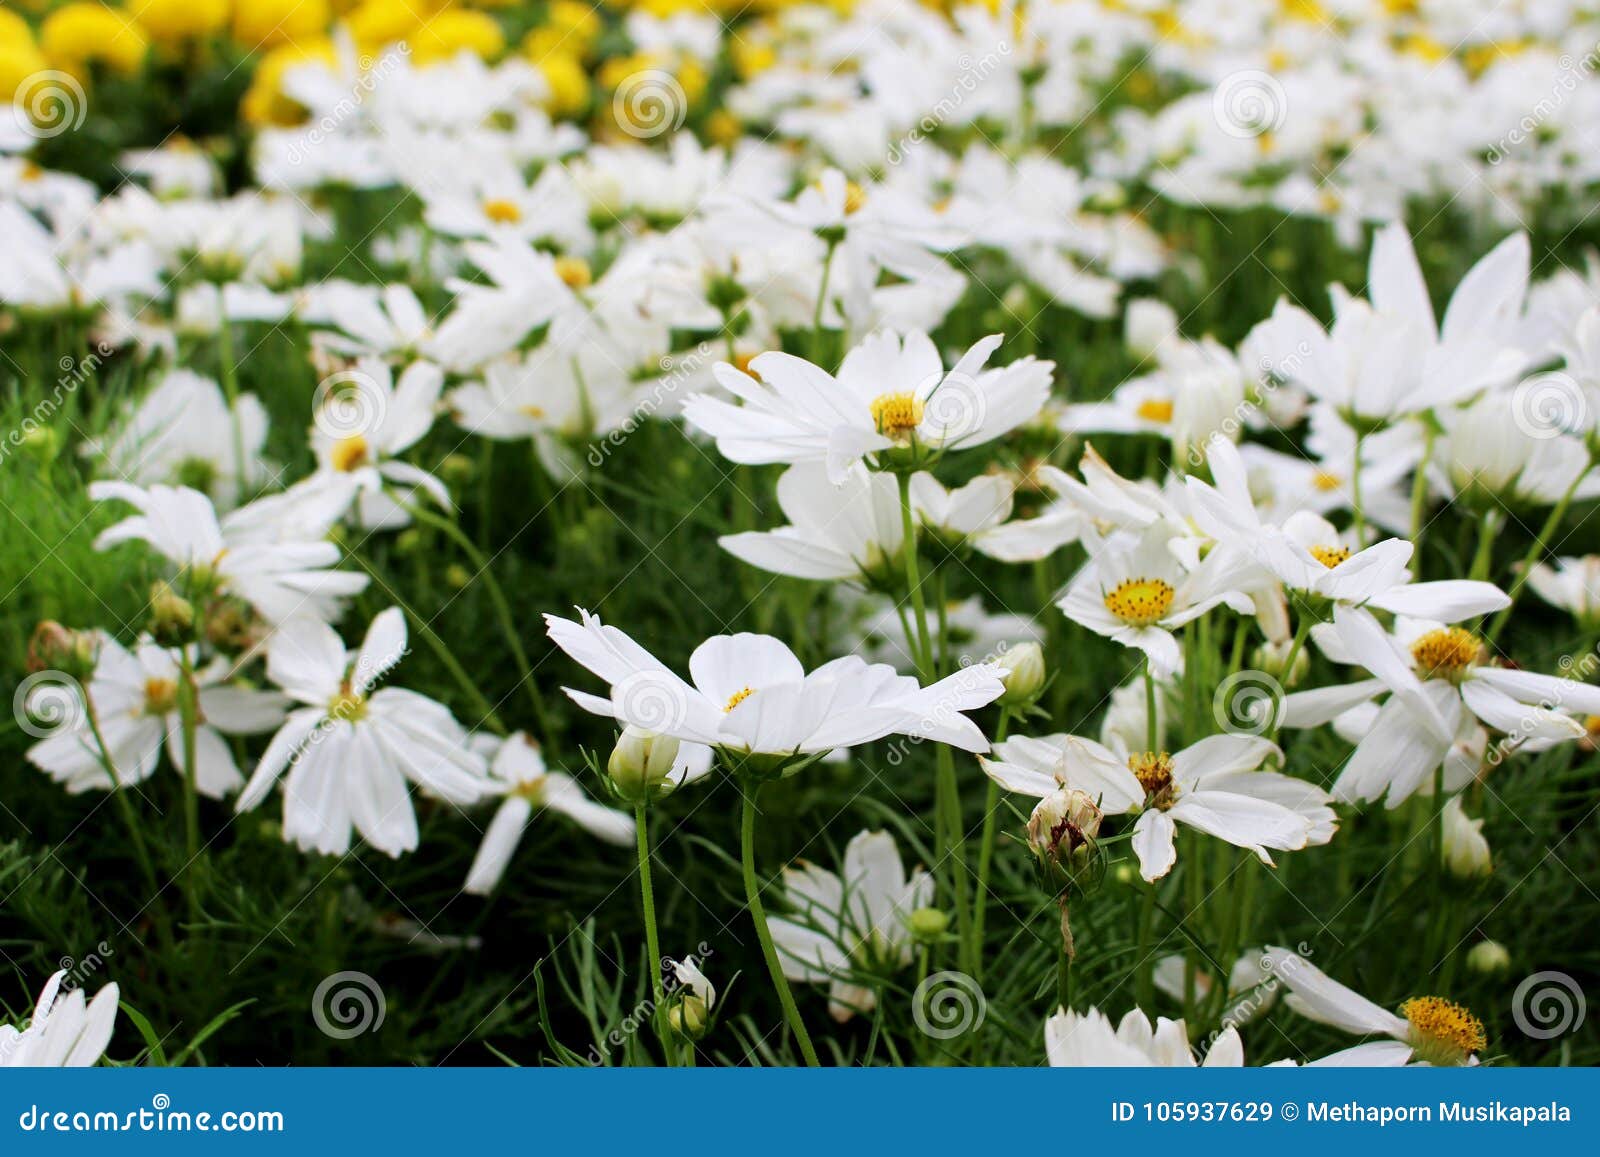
<point>752,892</point>
<point>641,817</point>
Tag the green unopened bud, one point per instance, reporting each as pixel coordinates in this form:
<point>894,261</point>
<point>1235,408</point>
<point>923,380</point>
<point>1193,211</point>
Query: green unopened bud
<point>689,1017</point>
<point>1273,658</point>
<point>1026,676</point>
<point>457,576</point>
<point>1489,957</point>
<point>57,648</point>
<point>1062,831</point>
<point>409,541</point>
<point>1466,852</point>
<point>231,625</point>
<point>640,763</point>
<point>928,924</point>
<point>171,616</point>
<point>457,469</point>
<point>41,442</point>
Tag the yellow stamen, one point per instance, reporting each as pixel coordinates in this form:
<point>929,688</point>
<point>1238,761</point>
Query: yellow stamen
<point>896,415</point>
<point>349,453</point>
<point>574,272</point>
<point>854,198</point>
<point>502,212</point>
<point>1446,652</point>
<point>160,696</point>
<point>534,412</point>
<point>348,706</point>
<point>1155,410</point>
<point>1153,770</point>
<point>1330,556</point>
<point>739,697</point>
<point>1140,602</point>
<point>1324,481</point>
<point>1442,1031</point>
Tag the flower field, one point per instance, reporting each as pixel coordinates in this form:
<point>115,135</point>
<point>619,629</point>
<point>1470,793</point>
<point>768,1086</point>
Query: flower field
<point>859,533</point>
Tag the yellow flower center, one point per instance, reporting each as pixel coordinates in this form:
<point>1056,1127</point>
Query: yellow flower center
<point>1324,481</point>
<point>1153,770</point>
<point>1140,602</point>
<point>896,415</point>
<point>349,453</point>
<point>574,272</point>
<point>1155,410</point>
<point>534,412</point>
<point>739,697</point>
<point>532,790</point>
<point>502,212</point>
<point>160,696</point>
<point>1330,556</point>
<point>348,706</point>
<point>1442,1031</point>
<point>854,198</point>
<point>1446,652</point>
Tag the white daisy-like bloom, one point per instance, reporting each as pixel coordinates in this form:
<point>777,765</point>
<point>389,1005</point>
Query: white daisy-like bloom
<point>525,290</point>
<point>751,696</point>
<point>66,1031</point>
<point>851,923</point>
<point>1571,584</point>
<point>850,530</point>
<point>1492,454</point>
<point>358,439</point>
<point>1213,786</point>
<point>1198,391</point>
<point>351,752</point>
<point>134,696</point>
<point>1139,596</point>
<point>1466,850</point>
<point>369,321</point>
<point>267,553</point>
<point>183,432</point>
<point>518,774</point>
<point>1436,677</point>
<point>890,394</point>
<point>1429,1030</point>
<point>1074,1040</point>
<point>1250,989</point>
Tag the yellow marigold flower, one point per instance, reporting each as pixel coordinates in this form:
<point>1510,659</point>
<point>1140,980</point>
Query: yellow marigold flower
<point>377,23</point>
<point>265,103</point>
<point>78,35</point>
<point>452,31</point>
<point>545,42</point>
<point>749,59</point>
<point>263,23</point>
<point>619,68</point>
<point>576,18</point>
<point>172,21</point>
<point>19,60</point>
<point>569,84</point>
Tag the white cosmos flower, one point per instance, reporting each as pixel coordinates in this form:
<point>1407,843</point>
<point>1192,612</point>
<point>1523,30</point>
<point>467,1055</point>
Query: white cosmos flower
<point>1572,584</point>
<point>851,923</point>
<point>351,751</point>
<point>135,701</point>
<point>358,439</point>
<point>1436,678</point>
<point>66,1030</point>
<point>371,321</point>
<point>1430,1030</point>
<point>890,394</point>
<point>1212,786</point>
<point>750,694</point>
<point>1139,596</point>
<point>849,530</point>
<point>519,775</point>
<point>255,553</point>
<point>1492,452</point>
<point>1076,1040</point>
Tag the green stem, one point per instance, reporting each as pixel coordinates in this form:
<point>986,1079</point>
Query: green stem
<point>1355,496</point>
<point>1150,727</point>
<point>230,388</point>
<point>1144,979</point>
<point>189,722</point>
<point>1483,558</point>
<point>924,641</point>
<point>1536,551</point>
<point>752,892</point>
<point>991,808</point>
<point>641,818</point>
<point>129,817</point>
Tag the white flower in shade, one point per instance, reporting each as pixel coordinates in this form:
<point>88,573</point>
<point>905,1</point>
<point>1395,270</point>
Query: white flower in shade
<point>1251,990</point>
<point>1436,677</point>
<point>1387,357</point>
<point>183,432</point>
<point>525,290</point>
<point>1572,584</point>
<point>693,997</point>
<point>890,394</point>
<point>1139,596</point>
<point>265,553</point>
<point>850,924</point>
<point>351,751</point>
<point>135,701</point>
<point>1198,391</point>
<point>362,427</point>
<point>1429,1029</point>
<point>1212,786</point>
<point>850,530</point>
<point>518,774</point>
<point>644,765</point>
<point>1466,851</point>
<point>1088,1040</point>
<point>751,696</point>
<point>372,321</point>
<point>1492,453</point>
<point>67,1031</point>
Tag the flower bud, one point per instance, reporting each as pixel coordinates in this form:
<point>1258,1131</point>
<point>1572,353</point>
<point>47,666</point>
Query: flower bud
<point>1026,676</point>
<point>171,616</point>
<point>689,1017</point>
<point>693,995</point>
<point>927,924</point>
<point>640,763</point>
<point>1062,831</point>
<point>457,576</point>
<point>1489,957</point>
<point>1273,658</point>
<point>1466,852</point>
<point>57,648</point>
